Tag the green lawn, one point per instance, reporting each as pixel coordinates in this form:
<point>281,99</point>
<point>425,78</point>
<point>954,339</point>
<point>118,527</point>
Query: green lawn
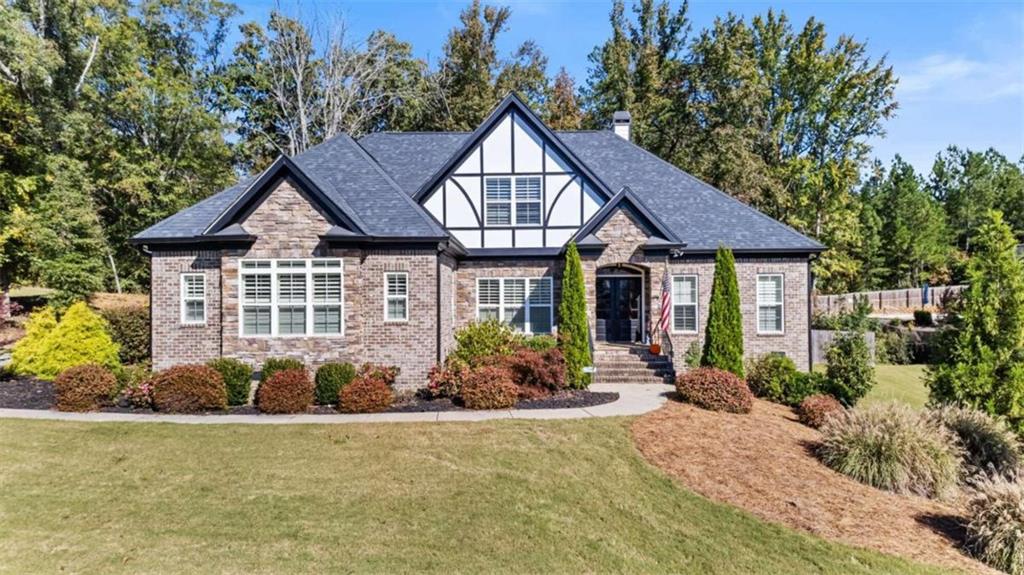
<point>900,383</point>
<point>567,496</point>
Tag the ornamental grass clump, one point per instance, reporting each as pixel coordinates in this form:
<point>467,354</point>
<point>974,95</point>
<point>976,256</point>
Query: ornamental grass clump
<point>189,389</point>
<point>287,391</point>
<point>715,389</point>
<point>84,388</point>
<point>816,410</point>
<point>892,447</point>
<point>489,387</point>
<point>990,447</point>
<point>995,527</point>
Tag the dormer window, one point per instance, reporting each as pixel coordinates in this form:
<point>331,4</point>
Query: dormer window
<point>521,209</point>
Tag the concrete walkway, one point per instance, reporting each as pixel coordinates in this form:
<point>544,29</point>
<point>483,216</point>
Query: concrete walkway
<point>634,399</point>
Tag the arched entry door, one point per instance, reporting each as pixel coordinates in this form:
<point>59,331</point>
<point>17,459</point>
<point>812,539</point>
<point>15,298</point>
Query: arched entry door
<point>620,304</point>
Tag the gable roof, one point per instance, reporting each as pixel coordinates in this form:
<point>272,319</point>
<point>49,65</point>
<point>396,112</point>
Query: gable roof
<point>511,103</point>
<point>627,200</point>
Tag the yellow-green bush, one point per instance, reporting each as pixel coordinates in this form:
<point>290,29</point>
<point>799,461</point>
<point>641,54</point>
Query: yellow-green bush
<point>79,338</point>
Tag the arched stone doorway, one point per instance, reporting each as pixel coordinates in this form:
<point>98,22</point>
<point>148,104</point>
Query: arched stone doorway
<point>620,305</point>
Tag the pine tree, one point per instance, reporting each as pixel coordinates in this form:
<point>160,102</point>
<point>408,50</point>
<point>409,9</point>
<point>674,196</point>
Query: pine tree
<point>573,331</point>
<point>723,338</point>
<point>983,369</point>
<point>562,111</point>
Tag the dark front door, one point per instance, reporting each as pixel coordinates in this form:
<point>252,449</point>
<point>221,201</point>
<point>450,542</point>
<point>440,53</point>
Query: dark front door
<point>618,307</point>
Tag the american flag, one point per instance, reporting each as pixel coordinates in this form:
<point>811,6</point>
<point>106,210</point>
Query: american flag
<point>666,304</point>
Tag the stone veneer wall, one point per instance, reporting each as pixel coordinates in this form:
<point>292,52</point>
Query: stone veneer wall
<point>468,272</point>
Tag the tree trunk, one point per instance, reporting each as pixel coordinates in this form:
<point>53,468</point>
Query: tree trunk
<point>5,299</point>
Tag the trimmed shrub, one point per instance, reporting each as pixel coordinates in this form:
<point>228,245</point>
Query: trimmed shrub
<point>541,371</point>
<point>79,338</point>
<point>723,336</point>
<point>893,346</point>
<point>129,328</point>
<point>692,356</point>
<point>892,447</point>
<point>816,410</point>
<point>771,377</point>
<point>445,380</point>
<point>989,445</point>
<point>489,387</point>
<point>485,338</point>
<point>287,391</point>
<point>849,371</point>
<point>330,378</point>
<point>995,527</point>
<point>715,389</point>
<point>540,343</point>
<point>237,377</point>
<point>365,395</point>
<point>923,318</point>
<point>84,388</point>
<point>386,373</point>
<point>573,329</point>
<point>275,364</point>
<point>189,389</point>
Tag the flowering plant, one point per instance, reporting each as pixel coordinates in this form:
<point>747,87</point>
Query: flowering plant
<point>139,394</point>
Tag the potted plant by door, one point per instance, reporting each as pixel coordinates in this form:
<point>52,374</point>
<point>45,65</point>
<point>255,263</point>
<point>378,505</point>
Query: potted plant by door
<point>655,347</point>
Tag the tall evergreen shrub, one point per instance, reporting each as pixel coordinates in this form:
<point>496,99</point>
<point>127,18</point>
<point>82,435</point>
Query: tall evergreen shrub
<point>984,369</point>
<point>572,327</point>
<point>723,337</point>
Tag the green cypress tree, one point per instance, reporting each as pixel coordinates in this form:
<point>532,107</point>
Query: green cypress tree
<point>983,367</point>
<point>723,337</point>
<point>574,335</point>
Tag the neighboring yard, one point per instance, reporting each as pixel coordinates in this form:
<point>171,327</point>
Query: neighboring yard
<point>900,383</point>
<point>569,496</point>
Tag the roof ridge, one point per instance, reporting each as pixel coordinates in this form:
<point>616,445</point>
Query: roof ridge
<point>430,221</point>
<point>728,196</point>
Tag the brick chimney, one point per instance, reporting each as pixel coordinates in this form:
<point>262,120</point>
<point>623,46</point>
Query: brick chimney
<point>621,124</point>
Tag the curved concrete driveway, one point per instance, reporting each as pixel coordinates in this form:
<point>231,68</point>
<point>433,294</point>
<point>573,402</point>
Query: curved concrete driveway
<point>634,399</point>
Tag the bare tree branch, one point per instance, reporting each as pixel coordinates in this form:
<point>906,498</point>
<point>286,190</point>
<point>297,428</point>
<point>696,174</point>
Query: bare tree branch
<point>88,64</point>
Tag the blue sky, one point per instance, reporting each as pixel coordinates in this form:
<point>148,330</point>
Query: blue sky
<point>961,64</point>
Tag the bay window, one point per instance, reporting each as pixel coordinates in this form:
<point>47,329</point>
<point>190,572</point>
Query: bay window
<point>290,297</point>
<point>523,303</point>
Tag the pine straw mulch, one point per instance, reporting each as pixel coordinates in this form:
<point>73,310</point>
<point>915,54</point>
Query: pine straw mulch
<point>764,463</point>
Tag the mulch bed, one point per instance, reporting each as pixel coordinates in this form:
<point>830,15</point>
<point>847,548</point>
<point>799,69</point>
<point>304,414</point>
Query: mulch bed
<point>18,392</point>
<point>764,463</point>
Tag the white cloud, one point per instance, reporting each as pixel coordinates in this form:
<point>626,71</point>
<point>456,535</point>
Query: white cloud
<point>959,78</point>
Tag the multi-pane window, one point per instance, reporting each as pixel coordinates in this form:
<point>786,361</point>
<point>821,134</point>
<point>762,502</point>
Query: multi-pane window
<point>524,303</point>
<point>770,316</point>
<point>193,299</point>
<point>523,208</point>
<point>396,296</point>
<point>528,199</point>
<point>684,304</point>
<point>291,297</point>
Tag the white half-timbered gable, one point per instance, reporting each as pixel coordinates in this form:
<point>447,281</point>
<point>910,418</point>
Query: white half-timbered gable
<point>511,187</point>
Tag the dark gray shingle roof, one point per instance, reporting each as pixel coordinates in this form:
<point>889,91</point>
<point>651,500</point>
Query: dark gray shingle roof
<point>377,194</point>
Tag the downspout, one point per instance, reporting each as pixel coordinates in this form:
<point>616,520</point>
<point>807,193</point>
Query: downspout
<point>810,310</point>
<point>437,306</point>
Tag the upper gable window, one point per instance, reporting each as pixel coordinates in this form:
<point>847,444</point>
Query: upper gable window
<point>503,208</point>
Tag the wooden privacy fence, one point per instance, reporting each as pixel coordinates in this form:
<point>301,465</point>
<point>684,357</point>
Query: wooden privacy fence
<point>889,300</point>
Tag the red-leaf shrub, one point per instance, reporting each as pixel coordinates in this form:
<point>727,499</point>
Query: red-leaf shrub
<point>715,389</point>
<point>287,391</point>
<point>817,409</point>
<point>531,368</point>
<point>365,395</point>
<point>445,380</point>
<point>84,388</point>
<point>489,387</point>
<point>189,389</point>
<point>386,373</point>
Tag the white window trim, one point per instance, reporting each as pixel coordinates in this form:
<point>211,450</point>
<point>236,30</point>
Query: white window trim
<point>274,304</point>
<point>184,298</point>
<point>695,304</point>
<point>512,203</point>
<point>388,297</point>
<point>528,325</point>
<point>781,304</point>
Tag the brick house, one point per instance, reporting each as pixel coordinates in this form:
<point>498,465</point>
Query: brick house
<point>377,250</point>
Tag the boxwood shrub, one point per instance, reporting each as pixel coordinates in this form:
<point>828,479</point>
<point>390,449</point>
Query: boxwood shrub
<point>84,388</point>
<point>287,391</point>
<point>274,364</point>
<point>237,377</point>
<point>330,378</point>
<point>189,389</point>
